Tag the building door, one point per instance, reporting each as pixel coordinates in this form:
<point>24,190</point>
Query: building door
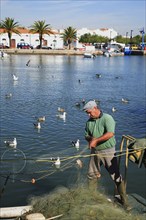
<point>44,42</point>
<point>13,43</point>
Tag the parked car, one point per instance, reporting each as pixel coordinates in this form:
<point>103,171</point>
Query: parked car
<point>24,46</point>
<point>2,46</point>
<point>44,47</point>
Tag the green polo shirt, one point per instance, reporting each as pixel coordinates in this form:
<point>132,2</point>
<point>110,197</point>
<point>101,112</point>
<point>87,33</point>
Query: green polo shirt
<point>97,127</point>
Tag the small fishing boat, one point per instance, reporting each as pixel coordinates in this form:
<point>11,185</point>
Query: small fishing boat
<point>88,55</point>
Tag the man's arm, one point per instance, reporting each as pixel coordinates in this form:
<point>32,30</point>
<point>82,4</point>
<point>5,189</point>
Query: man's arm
<point>95,141</point>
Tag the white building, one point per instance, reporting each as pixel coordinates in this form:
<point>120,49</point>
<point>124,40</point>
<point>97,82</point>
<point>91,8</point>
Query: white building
<point>53,40</point>
<point>104,32</point>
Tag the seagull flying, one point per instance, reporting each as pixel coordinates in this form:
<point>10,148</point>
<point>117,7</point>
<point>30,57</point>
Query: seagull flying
<point>15,78</point>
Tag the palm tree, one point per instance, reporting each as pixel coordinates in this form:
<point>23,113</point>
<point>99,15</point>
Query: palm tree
<point>41,28</point>
<point>10,26</point>
<point>69,35</point>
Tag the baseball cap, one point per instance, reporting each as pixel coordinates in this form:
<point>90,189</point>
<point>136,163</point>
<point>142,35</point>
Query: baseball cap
<point>89,105</point>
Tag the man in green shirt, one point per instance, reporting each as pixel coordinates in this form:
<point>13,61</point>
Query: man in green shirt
<point>100,134</point>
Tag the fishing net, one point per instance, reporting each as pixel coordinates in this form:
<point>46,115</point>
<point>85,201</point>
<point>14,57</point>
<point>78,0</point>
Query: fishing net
<point>15,164</point>
<point>80,203</point>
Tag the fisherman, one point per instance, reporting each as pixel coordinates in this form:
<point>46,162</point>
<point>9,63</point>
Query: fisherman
<point>100,134</point>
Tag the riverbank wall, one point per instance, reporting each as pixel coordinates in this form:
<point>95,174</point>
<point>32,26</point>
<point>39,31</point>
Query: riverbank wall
<point>48,52</point>
<point>61,52</point>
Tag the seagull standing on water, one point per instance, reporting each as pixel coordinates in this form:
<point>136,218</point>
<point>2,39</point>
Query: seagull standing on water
<point>125,100</point>
<point>57,163</point>
<point>37,125</point>
<point>76,143</point>
<point>61,109</point>
<point>62,116</point>
<point>114,109</point>
<point>12,143</point>
<point>41,119</point>
<point>7,96</point>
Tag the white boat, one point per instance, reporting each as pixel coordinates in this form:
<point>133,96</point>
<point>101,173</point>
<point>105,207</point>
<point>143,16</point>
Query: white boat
<point>113,53</point>
<point>88,55</point>
<point>12,212</point>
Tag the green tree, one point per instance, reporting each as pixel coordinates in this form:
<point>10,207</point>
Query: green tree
<point>10,26</point>
<point>88,38</point>
<point>69,35</point>
<point>41,28</point>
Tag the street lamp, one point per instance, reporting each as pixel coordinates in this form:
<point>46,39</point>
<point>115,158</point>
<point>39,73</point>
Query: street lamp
<point>142,32</point>
<point>131,37</point>
<point>110,35</point>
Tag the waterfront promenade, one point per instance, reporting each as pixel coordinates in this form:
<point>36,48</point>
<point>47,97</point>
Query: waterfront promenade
<point>61,52</point>
<point>49,52</point>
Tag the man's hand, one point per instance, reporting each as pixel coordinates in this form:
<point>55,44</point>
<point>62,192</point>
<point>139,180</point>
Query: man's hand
<point>93,143</point>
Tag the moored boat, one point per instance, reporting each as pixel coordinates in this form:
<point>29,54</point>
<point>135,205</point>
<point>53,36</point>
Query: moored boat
<point>88,55</point>
<point>113,53</point>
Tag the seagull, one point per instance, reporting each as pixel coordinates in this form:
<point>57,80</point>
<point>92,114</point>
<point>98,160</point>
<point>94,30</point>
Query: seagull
<point>77,104</point>
<point>62,116</point>
<point>114,109</point>
<point>125,100</point>
<point>57,163</point>
<point>11,143</point>
<point>15,78</point>
<point>7,96</point>
<point>61,109</point>
<point>83,101</point>
<point>37,125</point>
<point>76,143</point>
<point>98,75</point>
<point>41,119</point>
<point>27,64</point>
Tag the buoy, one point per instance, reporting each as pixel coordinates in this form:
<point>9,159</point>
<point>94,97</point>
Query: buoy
<point>33,181</point>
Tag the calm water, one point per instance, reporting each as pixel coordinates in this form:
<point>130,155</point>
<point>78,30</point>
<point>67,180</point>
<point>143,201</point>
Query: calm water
<point>61,81</point>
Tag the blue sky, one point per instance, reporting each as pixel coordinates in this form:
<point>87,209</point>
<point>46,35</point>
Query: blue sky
<point>121,15</point>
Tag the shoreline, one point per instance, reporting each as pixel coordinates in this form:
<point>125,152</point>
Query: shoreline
<point>62,52</point>
<point>49,52</point>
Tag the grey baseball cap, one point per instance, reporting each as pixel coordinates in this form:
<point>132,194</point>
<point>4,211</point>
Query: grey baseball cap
<point>89,105</point>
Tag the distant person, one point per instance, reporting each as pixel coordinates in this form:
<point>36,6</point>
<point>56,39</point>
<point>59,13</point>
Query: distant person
<point>100,134</point>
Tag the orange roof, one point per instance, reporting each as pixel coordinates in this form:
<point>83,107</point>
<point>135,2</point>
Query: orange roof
<point>24,31</point>
<point>104,29</point>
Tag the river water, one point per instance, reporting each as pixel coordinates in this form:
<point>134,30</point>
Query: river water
<point>49,82</point>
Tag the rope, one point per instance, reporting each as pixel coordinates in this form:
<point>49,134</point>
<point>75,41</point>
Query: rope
<point>70,159</point>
